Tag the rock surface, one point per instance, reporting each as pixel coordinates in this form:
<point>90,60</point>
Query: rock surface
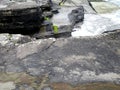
<point>7,86</point>
<point>14,39</point>
<point>84,63</point>
<point>69,60</point>
<point>106,20</point>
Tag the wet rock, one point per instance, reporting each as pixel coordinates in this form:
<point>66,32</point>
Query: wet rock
<point>20,16</point>
<point>48,14</point>
<point>107,19</point>
<point>65,20</point>
<point>77,15</point>
<point>43,3</point>
<point>46,30</point>
<point>62,21</point>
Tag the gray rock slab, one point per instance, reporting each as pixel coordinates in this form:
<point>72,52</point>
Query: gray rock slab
<point>68,60</point>
<point>27,49</point>
<point>77,60</point>
<point>15,68</point>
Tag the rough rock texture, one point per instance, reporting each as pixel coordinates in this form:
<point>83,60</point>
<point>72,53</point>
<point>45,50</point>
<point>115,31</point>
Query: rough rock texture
<point>77,15</point>
<point>14,39</point>
<point>85,63</point>
<point>69,60</point>
<point>20,17</point>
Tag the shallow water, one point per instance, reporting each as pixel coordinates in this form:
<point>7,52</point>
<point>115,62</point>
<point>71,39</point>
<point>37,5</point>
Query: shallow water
<point>96,24</point>
<point>93,25</point>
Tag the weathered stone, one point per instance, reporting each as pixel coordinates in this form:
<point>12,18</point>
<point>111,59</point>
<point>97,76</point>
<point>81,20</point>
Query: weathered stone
<point>24,87</point>
<point>74,2</point>
<point>13,39</point>
<point>19,39</point>
<point>90,86</point>
<point>77,15</point>
<point>4,39</point>
<point>46,88</point>
<point>2,68</point>
<point>48,14</point>
<point>32,47</point>
<point>27,49</point>
<point>74,61</point>
<point>66,60</point>
<point>7,86</point>
<point>20,16</point>
<point>15,68</point>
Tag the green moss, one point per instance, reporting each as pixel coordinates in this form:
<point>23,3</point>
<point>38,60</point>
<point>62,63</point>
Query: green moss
<point>55,28</point>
